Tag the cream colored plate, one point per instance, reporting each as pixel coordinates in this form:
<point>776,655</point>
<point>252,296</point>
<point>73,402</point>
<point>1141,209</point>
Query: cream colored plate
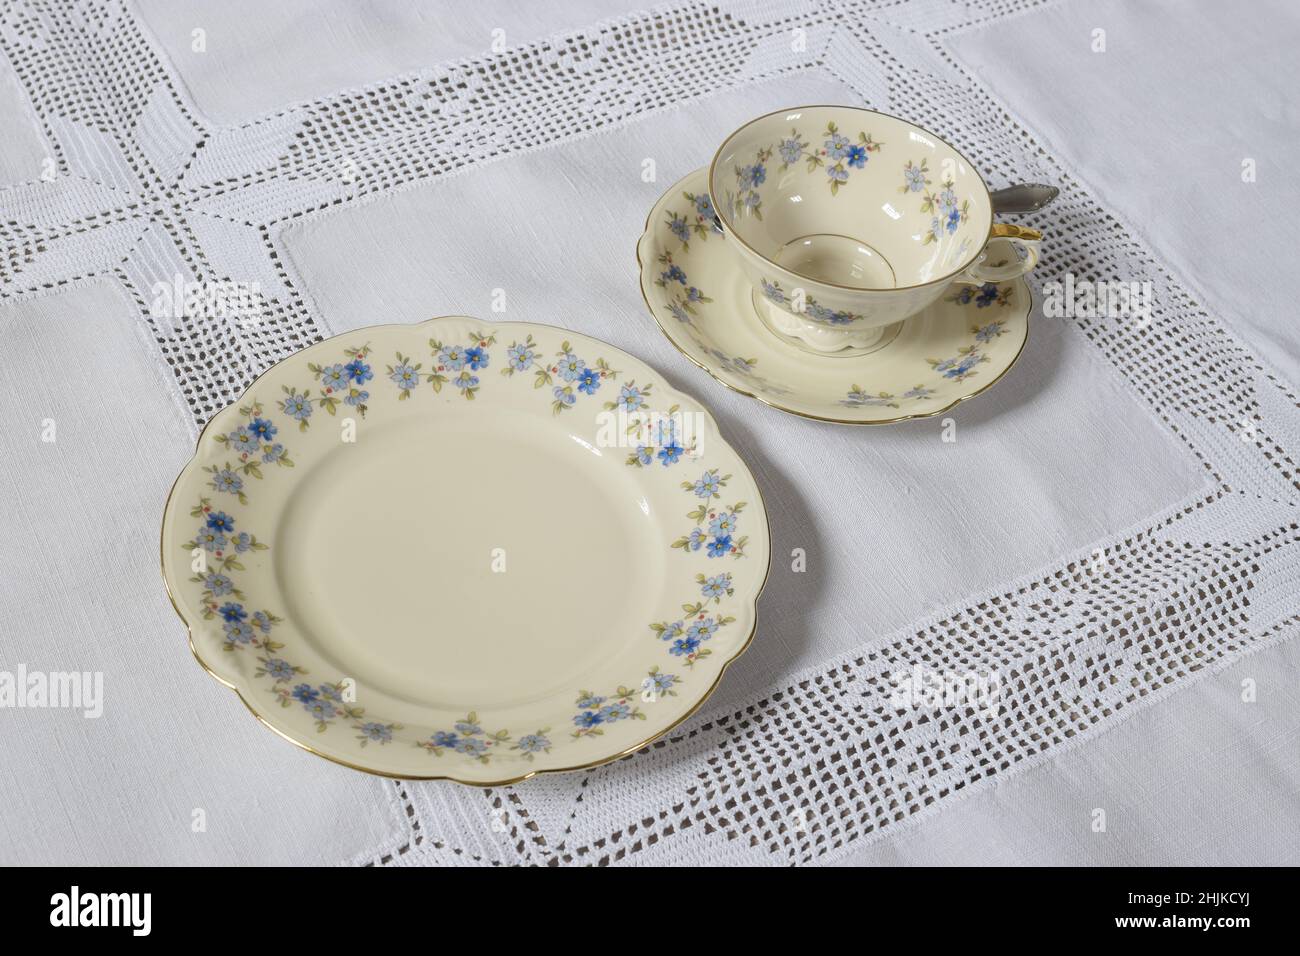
<point>466,550</point>
<point>700,297</point>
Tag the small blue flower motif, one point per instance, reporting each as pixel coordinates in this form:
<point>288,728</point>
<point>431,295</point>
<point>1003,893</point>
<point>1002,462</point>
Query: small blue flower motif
<point>613,712</point>
<point>645,454</point>
<point>321,709</point>
<point>753,200</point>
<point>471,746</point>
<point>238,632</point>
<point>670,453</point>
<point>589,381</point>
<point>719,546</point>
<point>232,612</point>
<point>334,377</point>
<point>297,407</point>
<point>673,274</point>
<point>706,486</point>
<point>521,357</point>
<point>452,357</point>
<point>704,206</point>
<point>694,295</point>
<point>790,150</point>
<point>377,732</point>
<point>965,295</point>
<point>465,380</point>
<point>716,586</point>
<point>242,541</point>
<point>357,396</point>
<point>630,398</point>
<point>679,228</point>
<point>857,157</point>
<point>273,453</point>
<point>571,366</point>
<point>988,294</point>
<point>915,178</point>
<point>936,228</point>
<point>210,540</point>
<point>956,368</point>
<point>837,174</point>
<point>948,199</point>
<point>753,176</point>
<point>724,523</point>
<point>465,727</point>
<point>477,357</point>
<point>661,683</point>
<point>703,630</point>
<point>684,647</point>
<point>588,719</point>
<point>987,333</point>
<point>262,428</point>
<point>954,220</point>
<point>533,743</point>
<point>218,584</point>
<point>242,440</point>
<point>673,630</point>
<point>444,738</point>
<point>262,621</point>
<point>227,481</point>
<point>679,313</point>
<point>405,376</point>
<point>773,292</point>
<point>837,147</point>
<point>330,692</point>
<point>279,669</point>
<point>696,539</point>
<point>220,521</point>
<point>359,371</point>
<point>590,703</point>
<point>565,396</point>
<point>305,693</point>
<point>918,391</point>
<point>824,314</point>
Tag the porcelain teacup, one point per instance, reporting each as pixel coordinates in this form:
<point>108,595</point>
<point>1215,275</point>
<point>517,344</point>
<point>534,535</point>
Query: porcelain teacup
<point>847,221</point>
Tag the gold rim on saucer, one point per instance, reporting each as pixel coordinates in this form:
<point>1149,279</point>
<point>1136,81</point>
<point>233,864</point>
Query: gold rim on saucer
<point>699,297</point>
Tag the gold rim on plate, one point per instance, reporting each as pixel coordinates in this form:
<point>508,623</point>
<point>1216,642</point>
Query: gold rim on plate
<point>720,453</point>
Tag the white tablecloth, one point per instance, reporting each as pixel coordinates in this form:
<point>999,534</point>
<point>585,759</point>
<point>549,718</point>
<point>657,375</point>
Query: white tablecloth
<point>380,162</point>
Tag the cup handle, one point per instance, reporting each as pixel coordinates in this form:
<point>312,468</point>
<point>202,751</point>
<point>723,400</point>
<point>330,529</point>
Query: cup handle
<point>1022,240</point>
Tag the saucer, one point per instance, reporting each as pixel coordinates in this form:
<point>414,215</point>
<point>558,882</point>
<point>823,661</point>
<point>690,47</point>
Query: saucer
<point>699,295</point>
<point>464,550</point>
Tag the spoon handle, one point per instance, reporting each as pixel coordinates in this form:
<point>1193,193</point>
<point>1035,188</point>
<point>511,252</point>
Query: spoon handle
<point>1023,197</point>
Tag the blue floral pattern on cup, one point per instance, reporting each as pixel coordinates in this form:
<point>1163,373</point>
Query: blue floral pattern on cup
<point>948,211</point>
<point>810,308</point>
<point>836,154</point>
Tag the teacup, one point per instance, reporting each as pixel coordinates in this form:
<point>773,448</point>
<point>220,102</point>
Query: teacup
<point>847,221</point>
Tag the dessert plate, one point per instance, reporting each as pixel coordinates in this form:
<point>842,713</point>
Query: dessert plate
<point>702,300</point>
<point>466,551</point>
